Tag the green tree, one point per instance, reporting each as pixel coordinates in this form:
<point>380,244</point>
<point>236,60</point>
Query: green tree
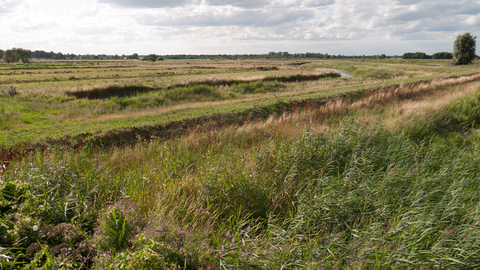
<point>1,54</point>
<point>16,54</point>
<point>464,49</point>
<point>151,57</point>
<point>10,56</point>
<point>442,55</point>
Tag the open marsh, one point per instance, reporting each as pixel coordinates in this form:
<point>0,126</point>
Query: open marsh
<point>66,100</point>
<point>379,170</point>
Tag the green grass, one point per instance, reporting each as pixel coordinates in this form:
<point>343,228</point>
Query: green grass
<point>37,121</point>
<point>349,198</point>
<point>259,196</point>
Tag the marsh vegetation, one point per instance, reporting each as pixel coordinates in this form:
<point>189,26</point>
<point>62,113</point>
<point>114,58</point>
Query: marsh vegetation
<point>220,167</point>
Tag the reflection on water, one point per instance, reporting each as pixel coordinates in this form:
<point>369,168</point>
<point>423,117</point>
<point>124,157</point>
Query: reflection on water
<point>342,73</point>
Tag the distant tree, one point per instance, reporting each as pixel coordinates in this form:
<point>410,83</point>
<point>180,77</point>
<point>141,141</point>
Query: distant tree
<point>16,54</point>
<point>417,55</point>
<point>134,56</point>
<point>151,57</point>
<point>442,55</point>
<point>24,55</point>
<point>10,56</point>
<point>1,54</point>
<point>464,49</point>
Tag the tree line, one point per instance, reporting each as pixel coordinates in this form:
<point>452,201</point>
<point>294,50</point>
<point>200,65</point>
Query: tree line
<point>18,54</point>
<point>15,55</point>
<point>422,55</point>
<point>463,54</point>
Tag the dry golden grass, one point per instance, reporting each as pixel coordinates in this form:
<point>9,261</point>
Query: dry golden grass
<point>177,185</point>
<point>388,106</point>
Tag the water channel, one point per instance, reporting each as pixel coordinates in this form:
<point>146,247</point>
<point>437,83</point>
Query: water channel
<point>344,74</point>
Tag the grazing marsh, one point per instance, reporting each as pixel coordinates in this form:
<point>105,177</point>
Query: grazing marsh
<point>379,170</point>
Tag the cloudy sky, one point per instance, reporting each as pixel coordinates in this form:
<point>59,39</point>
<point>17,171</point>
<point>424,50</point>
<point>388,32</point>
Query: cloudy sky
<point>348,27</point>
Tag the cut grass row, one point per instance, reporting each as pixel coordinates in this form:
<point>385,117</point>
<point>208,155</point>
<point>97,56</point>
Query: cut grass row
<point>129,90</point>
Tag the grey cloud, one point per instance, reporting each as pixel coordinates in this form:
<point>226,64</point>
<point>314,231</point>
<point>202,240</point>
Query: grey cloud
<point>433,9</point>
<point>238,3</point>
<point>147,3</point>
<point>406,2</point>
<point>255,18</point>
<point>317,3</point>
<point>449,24</point>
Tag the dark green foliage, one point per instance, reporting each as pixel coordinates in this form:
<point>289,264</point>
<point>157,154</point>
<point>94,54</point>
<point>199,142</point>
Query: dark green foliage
<point>301,77</point>
<point>464,49</point>
<point>442,55</point>
<point>110,91</point>
<point>417,55</point>
<point>133,56</point>
<point>257,87</point>
<point>152,58</point>
<point>17,54</point>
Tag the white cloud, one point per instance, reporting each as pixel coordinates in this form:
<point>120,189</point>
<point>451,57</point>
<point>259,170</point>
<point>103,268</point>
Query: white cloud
<point>93,31</point>
<point>243,26</point>
<point>8,6</point>
<point>87,10</point>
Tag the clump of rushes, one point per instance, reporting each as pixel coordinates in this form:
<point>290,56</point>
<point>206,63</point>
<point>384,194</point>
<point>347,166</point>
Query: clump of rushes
<point>117,225</point>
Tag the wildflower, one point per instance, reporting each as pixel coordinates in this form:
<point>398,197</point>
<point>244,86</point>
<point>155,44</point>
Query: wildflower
<point>35,228</point>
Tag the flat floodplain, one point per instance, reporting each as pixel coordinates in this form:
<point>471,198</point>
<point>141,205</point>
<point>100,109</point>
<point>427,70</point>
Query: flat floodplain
<point>240,165</point>
<point>53,102</point>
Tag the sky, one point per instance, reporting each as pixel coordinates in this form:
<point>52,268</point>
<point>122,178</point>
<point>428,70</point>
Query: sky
<point>347,27</point>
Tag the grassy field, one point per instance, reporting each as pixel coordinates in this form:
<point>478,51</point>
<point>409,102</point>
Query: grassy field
<point>68,101</point>
<point>240,165</point>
